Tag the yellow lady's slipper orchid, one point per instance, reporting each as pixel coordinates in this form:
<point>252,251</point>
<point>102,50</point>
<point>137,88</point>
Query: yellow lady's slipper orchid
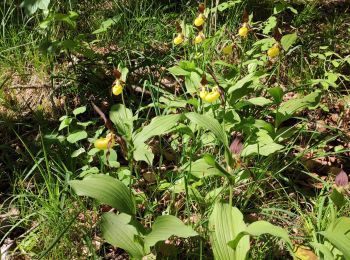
<point>179,39</point>
<point>102,143</point>
<point>199,38</point>
<point>227,49</point>
<point>243,31</point>
<point>199,21</point>
<point>117,89</point>
<point>212,96</point>
<point>203,93</point>
<point>274,51</point>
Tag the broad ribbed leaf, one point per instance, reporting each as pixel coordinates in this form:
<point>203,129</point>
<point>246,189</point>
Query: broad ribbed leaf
<point>327,254</point>
<point>339,235</point>
<point>165,227</point>
<point>209,123</point>
<point>201,169</point>
<point>339,240</point>
<point>123,119</point>
<point>31,6</point>
<point>259,101</point>
<point>192,82</point>
<point>178,71</point>
<point>261,227</point>
<point>144,153</point>
<point>288,108</point>
<point>119,232</point>
<point>242,82</point>
<point>269,24</point>
<point>225,223</point>
<point>158,126</point>
<point>264,145</point>
<point>77,136</point>
<point>288,40</point>
<point>79,110</point>
<point>107,190</point>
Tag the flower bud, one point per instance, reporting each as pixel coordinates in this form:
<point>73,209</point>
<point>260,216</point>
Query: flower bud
<point>236,146</point>
<point>342,179</point>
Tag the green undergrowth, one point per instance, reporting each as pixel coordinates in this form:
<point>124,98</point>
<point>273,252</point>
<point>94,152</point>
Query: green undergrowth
<point>234,147</point>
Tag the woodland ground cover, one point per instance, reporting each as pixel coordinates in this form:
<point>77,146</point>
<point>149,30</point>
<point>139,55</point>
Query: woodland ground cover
<point>174,129</point>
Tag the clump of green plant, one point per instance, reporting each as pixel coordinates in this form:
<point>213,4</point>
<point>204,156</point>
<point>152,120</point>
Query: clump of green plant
<point>230,114</point>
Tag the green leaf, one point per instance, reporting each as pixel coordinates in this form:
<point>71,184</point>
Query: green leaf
<point>78,152</point>
<point>144,153</point>
<point>187,65</point>
<point>107,190</point>
<point>31,6</point>
<point>259,101</point>
<point>226,5</point>
<point>201,169</point>
<point>342,225</point>
<point>77,136</point>
<point>158,126</point>
<point>264,145</point>
<point>110,160</point>
<point>209,123</point>
<point>327,254</point>
<point>288,108</point>
<point>165,227</point>
<point>119,232</point>
<point>124,71</point>
<point>105,25</point>
<point>265,44</point>
<point>270,24</point>
<point>242,82</point>
<point>339,240</point>
<point>225,223</point>
<point>210,160</point>
<point>64,123</point>
<point>288,40</point>
<point>337,198</point>
<point>79,110</point>
<point>123,119</point>
<point>178,71</point>
<point>261,227</point>
<point>276,93</point>
<point>192,82</point>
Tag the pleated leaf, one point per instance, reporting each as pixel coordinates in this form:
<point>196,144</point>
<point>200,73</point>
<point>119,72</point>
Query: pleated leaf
<point>119,232</point>
<point>106,190</point>
<point>165,227</point>
<point>209,123</point>
<point>159,125</point>
<point>225,223</point>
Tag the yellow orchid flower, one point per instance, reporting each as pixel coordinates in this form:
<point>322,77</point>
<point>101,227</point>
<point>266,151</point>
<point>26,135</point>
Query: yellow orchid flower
<point>203,93</point>
<point>274,51</point>
<point>199,21</point>
<point>227,50</point>
<point>102,143</point>
<point>243,31</point>
<point>179,39</point>
<point>199,38</point>
<point>211,96</point>
<point>117,89</point>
